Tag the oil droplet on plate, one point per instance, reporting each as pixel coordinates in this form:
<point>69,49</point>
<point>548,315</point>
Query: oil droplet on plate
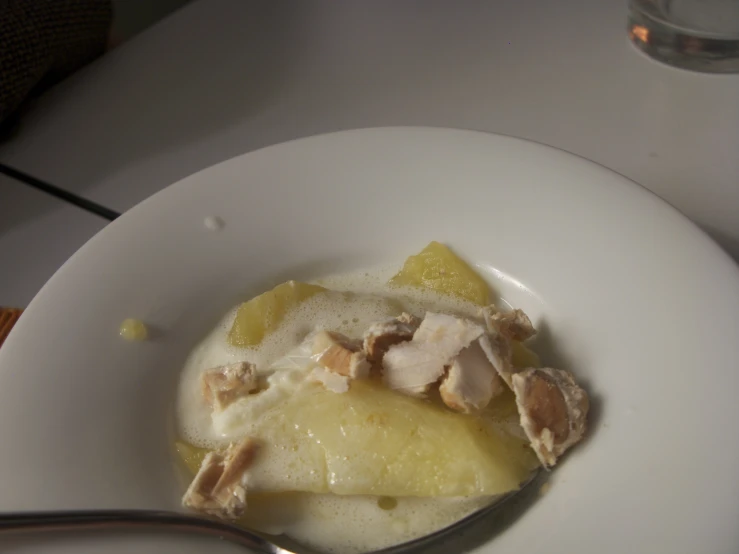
<point>133,330</point>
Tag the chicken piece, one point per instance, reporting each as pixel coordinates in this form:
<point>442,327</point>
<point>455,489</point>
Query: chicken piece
<point>553,411</point>
<point>409,319</point>
<point>331,381</point>
<point>471,382</point>
<point>218,488</point>
<point>339,354</point>
<point>498,347</point>
<point>412,367</point>
<point>222,385</point>
<point>514,325</point>
<point>446,333</point>
<point>382,335</point>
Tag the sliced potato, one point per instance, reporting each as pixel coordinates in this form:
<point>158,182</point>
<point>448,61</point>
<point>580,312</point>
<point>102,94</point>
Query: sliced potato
<point>373,441</point>
<point>192,456</point>
<point>261,315</point>
<point>437,268</point>
<point>524,357</point>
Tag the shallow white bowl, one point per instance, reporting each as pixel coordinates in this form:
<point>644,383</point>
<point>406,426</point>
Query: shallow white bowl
<point>629,294</point>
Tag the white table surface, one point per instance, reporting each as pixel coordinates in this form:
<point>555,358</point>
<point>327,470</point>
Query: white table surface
<point>223,77</point>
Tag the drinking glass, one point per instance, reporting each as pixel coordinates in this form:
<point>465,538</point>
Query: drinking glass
<point>700,35</point>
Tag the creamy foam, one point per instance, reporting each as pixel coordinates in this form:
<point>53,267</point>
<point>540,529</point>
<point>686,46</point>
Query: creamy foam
<point>353,524</point>
<point>332,523</point>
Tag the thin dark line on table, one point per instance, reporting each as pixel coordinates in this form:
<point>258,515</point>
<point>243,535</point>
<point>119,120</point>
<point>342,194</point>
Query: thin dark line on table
<point>61,194</point>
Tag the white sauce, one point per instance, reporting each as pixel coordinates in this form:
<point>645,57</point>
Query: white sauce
<point>331,523</point>
<point>213,223</point>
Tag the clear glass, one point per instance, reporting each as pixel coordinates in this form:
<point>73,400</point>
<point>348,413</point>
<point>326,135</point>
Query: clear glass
<point>701,35</point>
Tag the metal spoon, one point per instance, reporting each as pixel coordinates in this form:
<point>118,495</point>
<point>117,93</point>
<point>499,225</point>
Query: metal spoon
<point>91,520</point>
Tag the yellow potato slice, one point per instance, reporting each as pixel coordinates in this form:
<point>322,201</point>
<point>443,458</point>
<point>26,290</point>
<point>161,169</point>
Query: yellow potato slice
<point>524,357</point>
<point>192,456</point>
<point>437,268</point>
<point>373,441</point>
<point>413,448</point>
<point>261,315</point>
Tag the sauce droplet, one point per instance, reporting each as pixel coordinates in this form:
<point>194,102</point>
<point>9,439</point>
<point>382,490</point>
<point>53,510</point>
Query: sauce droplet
<point>133,330</point>
<point>214,223</point>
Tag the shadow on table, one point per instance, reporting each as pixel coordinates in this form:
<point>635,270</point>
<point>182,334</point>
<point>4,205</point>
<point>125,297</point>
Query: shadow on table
<point>729,244</point>
<point>38,233</point>
<point>20,203</point>
<point>190,86</point>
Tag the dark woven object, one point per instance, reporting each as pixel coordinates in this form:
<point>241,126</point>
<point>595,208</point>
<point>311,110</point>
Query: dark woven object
<point>42,41</point>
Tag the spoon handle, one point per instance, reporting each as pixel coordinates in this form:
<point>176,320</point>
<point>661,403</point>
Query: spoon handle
<point>133,519</point>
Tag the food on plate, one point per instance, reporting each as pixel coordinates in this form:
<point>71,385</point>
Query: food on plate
<point>192,456</point>
<point>224,384</point>
<point>218,488</point>
<point>339,354</point>
<point>380,336</point>
<point>133,330</point>
<point>261,315</point>
<point>439,269</point>
<point>372,412</point>
<point>553,409</point>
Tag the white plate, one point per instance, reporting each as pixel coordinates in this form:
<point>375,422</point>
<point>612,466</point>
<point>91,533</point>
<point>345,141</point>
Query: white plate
<point>632,297</point>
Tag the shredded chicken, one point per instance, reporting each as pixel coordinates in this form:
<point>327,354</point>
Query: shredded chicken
<point>339,354</point>
<point>222,385</point>
<point>553,410</point>
<point>218,488</point>
<point>331,381</point>
<point>498,349</point>
<point>498,352</point>
<point>382,335</point>
<point>409,319</point>
<point>446,333</point>
<point>412,367</point>
<point>514,325</point>
<point>471,382</point>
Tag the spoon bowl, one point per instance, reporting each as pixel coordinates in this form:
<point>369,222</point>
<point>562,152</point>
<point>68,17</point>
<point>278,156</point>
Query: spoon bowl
<point>175,522</point>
